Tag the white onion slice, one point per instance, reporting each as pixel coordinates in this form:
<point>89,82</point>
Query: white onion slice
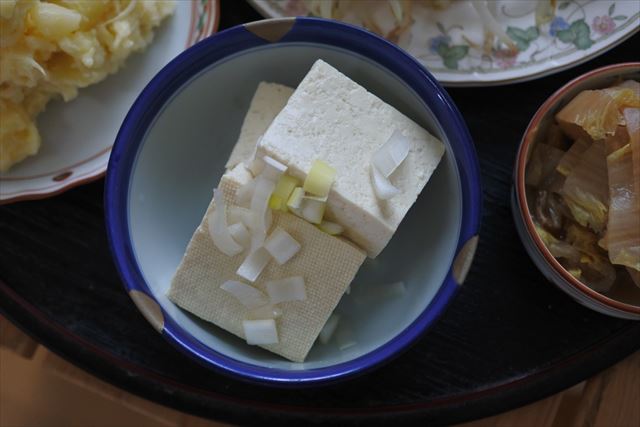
<point>329,328</point>
<point>265,312</point>
<point>331,228</point>
<point>248,296</point>
<point>382,186</point>
<point>281,245</point>
<point>240,234</point>
<point>253,163</point>
<point>261,223</point>
<point>289,289</point>
<point>392,153</point>
<point>268,218</point>
<point>273,169</point>
<point>253,264</point>
<point>313,208</point>
<point>255,166</point>
<point>218,229</point>
<point>260,202</point>
<point>260,332</point>
<point>257,240</point>
<point>244,193</point>
<point>237,214</point>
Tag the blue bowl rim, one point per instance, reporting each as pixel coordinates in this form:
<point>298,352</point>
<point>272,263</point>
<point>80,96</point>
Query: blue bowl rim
<point>229,42</point>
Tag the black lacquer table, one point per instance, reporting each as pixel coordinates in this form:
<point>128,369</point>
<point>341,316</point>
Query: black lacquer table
<point>509,337</point>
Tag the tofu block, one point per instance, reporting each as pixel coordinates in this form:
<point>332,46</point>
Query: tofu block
<point>328,265</point>
<point>268,100</point>
<point>331,118</point>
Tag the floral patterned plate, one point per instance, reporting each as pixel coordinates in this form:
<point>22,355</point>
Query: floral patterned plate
<point>449,42</point>
<point>77,136</point>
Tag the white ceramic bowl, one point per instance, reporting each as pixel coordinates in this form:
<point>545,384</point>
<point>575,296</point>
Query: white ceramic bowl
<point>170,154</point>
<point>624,304</point>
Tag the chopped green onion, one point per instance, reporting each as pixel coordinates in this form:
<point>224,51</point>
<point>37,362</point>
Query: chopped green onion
<point>319,179</point>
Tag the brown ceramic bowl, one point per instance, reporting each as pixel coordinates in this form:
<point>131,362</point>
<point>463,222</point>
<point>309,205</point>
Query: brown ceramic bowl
<point>624,303</point>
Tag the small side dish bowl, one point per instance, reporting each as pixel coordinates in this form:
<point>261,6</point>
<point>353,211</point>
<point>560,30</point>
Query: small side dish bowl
<point>171,151</point>
<point>618,303</point>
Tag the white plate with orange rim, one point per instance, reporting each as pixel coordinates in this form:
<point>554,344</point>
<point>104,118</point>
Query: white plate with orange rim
<point>77,136</point>
<point>448,42</point>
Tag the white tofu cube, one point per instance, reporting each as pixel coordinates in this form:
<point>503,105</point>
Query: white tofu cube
<point>331,118</point>
<point>327,264</point>
<point>266,103</point>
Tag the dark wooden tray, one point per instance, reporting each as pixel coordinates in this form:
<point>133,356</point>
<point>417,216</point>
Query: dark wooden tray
<point>509,338</point>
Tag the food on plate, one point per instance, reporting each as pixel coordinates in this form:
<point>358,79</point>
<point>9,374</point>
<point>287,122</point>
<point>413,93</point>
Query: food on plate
<point>50,49</point>
<point>584,189</point>
<point>294,217</point>
<point>388,18</point>
<point>392,18</point>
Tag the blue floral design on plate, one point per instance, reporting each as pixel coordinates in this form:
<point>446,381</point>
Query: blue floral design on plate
<point>436,43</point>
<point>558,24</point>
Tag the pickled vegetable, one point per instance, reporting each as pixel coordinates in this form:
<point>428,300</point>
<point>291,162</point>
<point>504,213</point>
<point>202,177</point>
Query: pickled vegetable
<point>585,196</point>
<point>595,114</point>
<point>572,156</point>
<point>623,231</point>
<point>545,160</point>
<point>586,190</point>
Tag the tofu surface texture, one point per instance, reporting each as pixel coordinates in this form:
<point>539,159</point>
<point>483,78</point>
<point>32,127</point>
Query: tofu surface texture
<point>268,100</point>
<point>328,265</point>
<point>331,118</point>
